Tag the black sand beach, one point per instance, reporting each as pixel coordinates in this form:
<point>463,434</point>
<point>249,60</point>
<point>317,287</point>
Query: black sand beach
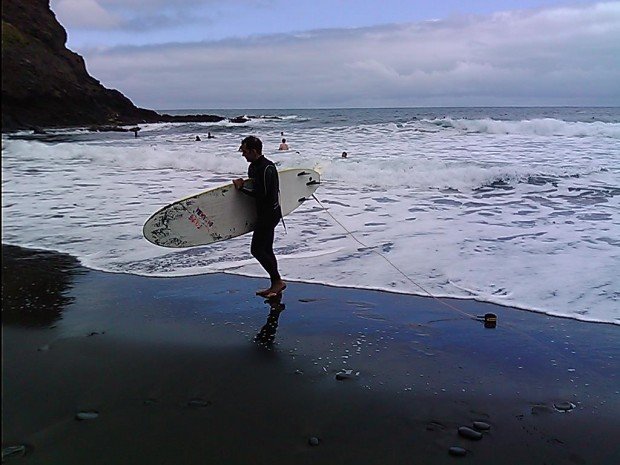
<point>172,370</point>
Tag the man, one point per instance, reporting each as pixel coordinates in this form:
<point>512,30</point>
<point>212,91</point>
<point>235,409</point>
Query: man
<point>283,145</point>
<point>266,191</point>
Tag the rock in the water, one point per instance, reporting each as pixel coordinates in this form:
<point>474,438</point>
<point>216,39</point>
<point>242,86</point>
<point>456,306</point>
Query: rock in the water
<point>481,426</point>
<point>469,433</point>
<point>91,415</point>
<point>239,119</point>
<point>313,441</point>
<point>457,451</point>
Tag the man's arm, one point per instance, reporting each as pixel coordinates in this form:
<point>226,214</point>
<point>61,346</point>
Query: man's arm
<point>239,184</point>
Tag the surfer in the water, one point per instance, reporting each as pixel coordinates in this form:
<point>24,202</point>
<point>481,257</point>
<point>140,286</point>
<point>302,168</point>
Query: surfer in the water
<point>265,190</point>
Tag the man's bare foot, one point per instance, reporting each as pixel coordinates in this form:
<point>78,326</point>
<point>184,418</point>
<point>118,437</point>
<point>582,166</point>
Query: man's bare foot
<point>264,292</point>
<point>276,289</point>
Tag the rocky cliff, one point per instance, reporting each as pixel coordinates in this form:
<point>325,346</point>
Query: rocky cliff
<point>44,84</point>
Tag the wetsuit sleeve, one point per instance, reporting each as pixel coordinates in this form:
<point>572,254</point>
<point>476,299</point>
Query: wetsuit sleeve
<point>272,186</point>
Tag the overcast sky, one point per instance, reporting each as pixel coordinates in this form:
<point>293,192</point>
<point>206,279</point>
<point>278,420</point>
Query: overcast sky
<point>211,54</point>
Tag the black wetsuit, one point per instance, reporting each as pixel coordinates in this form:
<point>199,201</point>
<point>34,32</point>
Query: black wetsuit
<point>266,191</point>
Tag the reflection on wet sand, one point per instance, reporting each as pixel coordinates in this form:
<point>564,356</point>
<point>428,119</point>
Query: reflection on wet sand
<point>267,335</point>
<point>35,285</point>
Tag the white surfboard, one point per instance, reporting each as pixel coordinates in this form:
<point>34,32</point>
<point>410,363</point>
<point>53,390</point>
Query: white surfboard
<point>223,212</point>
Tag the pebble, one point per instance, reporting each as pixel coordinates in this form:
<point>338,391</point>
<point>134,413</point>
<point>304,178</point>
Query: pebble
<point>457,451</point>
<point>199,403</point>
<point>86,415</point>
<point>313,441</point>
<point>469,433</point>
<point>481,426</point>
<point>13,451</point>
<point>564,406</point>
<point>346,374</point>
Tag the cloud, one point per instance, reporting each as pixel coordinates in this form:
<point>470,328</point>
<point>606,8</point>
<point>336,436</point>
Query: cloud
<point>87,14</point>
<point>559,56</point>
<point>135,16</point>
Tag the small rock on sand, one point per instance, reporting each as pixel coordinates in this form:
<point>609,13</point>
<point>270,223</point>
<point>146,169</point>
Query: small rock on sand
<point>13,451</point>
<point>564,406</point>
<point>346,374</point>
<point>481,426</point>
<point>198,403</point>
<point>469,433</point>
<point>90,415</point>
<point>457,451</point>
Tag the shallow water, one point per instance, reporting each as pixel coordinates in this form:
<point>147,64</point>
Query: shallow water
<point>512,206</point>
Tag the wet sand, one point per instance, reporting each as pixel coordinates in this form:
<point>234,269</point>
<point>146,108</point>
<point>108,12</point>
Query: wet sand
<point>175,374</point>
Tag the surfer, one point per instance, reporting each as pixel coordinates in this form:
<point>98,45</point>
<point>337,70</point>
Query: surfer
<point>283,145</point>
<point>265,190</point>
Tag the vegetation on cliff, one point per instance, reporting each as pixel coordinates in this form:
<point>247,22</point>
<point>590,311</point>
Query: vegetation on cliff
<point>44,84</point>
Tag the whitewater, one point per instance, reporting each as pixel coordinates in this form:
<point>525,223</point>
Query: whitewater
<point>518,207</point>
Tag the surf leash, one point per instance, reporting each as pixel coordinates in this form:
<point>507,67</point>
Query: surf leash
<point>489,319</point>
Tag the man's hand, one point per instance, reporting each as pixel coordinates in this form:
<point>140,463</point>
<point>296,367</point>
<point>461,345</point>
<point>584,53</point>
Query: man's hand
<point>238,183</point>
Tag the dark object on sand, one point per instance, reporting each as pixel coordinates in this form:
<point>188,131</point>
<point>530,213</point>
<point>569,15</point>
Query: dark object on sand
<point>457,451</point>
<point>490,320</point>
<point>564,406</point>
<point>90,415</point>
<point>14,451</point>
<point>469,433</point>
<point>346,374</point>
<point>199,403</point>
<point>481,426</point>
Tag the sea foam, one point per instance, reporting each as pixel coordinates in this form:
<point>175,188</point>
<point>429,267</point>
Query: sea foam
<point>517,212</point>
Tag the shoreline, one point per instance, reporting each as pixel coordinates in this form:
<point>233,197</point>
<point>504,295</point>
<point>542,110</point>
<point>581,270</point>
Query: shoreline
<point>439,298</point>
<point>173,369</point>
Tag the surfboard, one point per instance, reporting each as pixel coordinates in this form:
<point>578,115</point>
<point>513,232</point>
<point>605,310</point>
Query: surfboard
<point>223,212</point>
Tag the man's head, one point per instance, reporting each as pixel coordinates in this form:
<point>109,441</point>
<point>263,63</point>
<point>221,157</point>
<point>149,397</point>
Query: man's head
<point>252,148</point>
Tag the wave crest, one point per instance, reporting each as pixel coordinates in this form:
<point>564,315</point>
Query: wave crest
<point>539,127</point>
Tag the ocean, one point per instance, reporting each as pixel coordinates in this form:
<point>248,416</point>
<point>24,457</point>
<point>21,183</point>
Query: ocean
<point>514,206</point>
